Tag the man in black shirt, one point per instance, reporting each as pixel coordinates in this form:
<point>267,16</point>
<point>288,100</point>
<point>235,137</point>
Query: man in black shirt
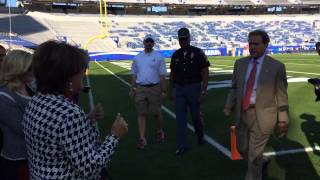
<point>189,76</point>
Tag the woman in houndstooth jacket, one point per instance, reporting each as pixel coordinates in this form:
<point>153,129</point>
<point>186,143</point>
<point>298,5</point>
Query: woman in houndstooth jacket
<point>62,141</point>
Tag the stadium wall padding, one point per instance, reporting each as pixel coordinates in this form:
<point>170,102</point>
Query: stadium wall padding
<point>101,56</point>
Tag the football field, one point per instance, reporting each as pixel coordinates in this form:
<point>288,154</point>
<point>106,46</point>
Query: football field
<point>296,157</point>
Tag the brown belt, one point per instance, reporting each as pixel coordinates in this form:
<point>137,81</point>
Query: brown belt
<point>251,106</point>
<point>148,85</point>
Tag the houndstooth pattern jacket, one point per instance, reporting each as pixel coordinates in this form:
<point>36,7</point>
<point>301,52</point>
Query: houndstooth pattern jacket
<point>61,142</point>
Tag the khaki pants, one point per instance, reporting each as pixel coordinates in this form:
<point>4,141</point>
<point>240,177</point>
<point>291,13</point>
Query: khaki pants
<point>251,143</point>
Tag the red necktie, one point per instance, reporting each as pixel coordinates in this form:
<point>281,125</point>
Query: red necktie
<point>249,87</point>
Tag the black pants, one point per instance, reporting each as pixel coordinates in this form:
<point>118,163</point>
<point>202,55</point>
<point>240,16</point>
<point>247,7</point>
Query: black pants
<point>13,170</point>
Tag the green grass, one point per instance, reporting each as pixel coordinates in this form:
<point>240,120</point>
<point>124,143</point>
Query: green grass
<point>158,162</point>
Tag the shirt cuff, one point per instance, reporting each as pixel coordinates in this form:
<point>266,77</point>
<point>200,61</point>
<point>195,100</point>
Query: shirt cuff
<point>283,108</point>
<point>114,138</point>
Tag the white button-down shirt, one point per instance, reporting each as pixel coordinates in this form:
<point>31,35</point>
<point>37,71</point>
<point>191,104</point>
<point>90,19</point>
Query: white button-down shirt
<point>250,66</point>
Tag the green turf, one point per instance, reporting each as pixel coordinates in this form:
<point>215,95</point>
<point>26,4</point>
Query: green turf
<point>158,162</point>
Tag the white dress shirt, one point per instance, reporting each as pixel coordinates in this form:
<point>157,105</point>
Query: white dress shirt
<point>250,66</point>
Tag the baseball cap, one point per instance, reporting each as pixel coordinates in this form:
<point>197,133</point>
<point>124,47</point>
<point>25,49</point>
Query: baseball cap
<point>148,37</point>
<point>183,33</point>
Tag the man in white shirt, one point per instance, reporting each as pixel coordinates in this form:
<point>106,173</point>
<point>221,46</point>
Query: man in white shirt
<point>148,88</point>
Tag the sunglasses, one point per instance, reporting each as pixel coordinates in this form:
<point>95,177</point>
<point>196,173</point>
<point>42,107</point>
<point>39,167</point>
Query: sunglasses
<point>149,41</point>
<point>183,39</point>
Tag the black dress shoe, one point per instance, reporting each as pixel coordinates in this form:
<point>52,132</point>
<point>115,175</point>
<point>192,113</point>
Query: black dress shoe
<point>265,162</point>
<point>201,139</point>
<point>181,151</point>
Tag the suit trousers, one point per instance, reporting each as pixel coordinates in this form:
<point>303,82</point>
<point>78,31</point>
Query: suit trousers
<point>187,96</point>
<point>251,143</point>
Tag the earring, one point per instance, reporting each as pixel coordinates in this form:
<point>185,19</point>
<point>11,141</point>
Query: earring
<point>70,87</point>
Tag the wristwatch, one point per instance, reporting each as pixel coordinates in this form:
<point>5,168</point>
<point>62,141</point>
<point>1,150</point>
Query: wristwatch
<point>203,92</point>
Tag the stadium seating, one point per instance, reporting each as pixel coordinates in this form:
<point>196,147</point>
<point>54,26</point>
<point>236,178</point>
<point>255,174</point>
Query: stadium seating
<point>219,2</point>
<point>210,33</point>
<point>239,2</point>
<point>276,2</point>
<point>126,32</point>
<point>310,1</point>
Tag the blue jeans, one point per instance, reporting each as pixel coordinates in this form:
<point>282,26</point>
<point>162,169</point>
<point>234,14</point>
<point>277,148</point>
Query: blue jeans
<point>187,96</point>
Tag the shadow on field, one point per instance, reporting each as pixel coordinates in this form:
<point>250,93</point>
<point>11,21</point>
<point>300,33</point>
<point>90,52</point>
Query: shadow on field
<point>296,166</point>
<point>311,128</point>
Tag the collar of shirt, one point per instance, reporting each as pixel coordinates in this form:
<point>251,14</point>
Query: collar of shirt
<point>259,60</point>
<point>147,53</point>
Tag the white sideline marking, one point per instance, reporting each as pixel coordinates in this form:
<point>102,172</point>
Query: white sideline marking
<point>292,151</point>
<point>211,141</point>
<point>296,72</point>
<point>299,72</point>
<point>91,103</point>
<point>214,143</point>
<point>303,64</point>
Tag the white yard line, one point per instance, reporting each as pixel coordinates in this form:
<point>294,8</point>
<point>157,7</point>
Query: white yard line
<point>298,64</point>
<point>296,72</point>
<point>300,72</point>
<point>91,102</point>
<point>292,151</point>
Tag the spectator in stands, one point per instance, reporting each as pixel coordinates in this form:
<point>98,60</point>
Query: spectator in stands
<point>15,74</point>
<point>189,76</point>
<point>318,48</point>
<point>259,97</point>
<point>148,88</point>
<point>62,142</point>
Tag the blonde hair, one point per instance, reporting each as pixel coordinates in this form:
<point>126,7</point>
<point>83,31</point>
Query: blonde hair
<point>13,66</point>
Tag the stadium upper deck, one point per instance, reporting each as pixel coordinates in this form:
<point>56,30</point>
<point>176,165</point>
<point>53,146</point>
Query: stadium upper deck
<point>126,32</point>
<point>218,2</point>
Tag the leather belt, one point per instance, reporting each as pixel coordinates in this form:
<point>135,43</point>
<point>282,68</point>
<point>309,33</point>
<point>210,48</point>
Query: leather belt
<point>148,85</point>
<point>251,106</point>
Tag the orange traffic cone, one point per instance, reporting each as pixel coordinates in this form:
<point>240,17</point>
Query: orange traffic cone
<point>234,151</point>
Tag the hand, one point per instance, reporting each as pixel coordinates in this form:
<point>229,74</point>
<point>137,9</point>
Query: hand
<point>163,94</point>
<point>202,97</point>
<point>132,92</point>
<point>96,113</point>
<point>227,111</point>
<point>282,129</point>
<point>119,127</point>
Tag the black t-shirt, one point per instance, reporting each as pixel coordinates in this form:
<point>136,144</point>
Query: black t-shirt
<point>187,64</point>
